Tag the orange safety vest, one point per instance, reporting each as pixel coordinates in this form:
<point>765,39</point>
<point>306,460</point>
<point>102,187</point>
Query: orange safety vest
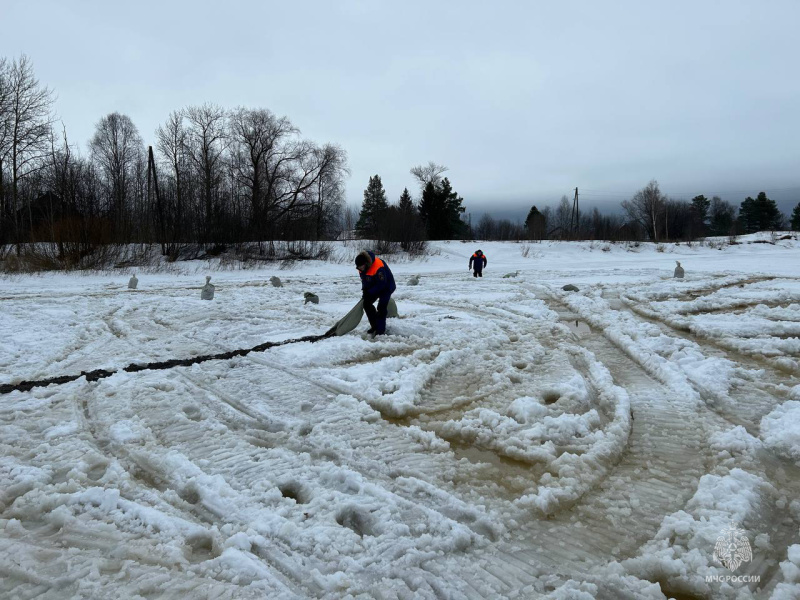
<point>376,264</point>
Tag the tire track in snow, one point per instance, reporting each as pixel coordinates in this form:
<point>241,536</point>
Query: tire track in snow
<point>140,552</point>
<point>780,472</point>
<point>282,561</point>
<point>380,454</point>
<point>192,506</point>
<point>513,476</point>
<point>458,389</point>
<point>140,471</point>
<point>752,397</point>
<point>774,469</point>
<point>654,477</point>
<point>495,576</point>
<point>403,451</point>
<point>145,473</point>
<point>716,345</point>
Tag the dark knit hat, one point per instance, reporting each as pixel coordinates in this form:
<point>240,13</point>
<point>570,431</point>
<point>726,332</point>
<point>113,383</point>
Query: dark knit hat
<point>361,259</point>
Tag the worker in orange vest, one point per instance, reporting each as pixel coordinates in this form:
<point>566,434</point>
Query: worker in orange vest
<point>478,260</point>
<point>377,283</point>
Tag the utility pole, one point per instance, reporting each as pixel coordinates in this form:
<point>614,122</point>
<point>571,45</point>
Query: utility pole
<point>151,168</point>
<point>575,215</point>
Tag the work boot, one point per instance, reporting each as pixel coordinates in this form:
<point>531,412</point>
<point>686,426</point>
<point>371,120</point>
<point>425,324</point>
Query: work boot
<point>474,274</point>
<point>371,330</point>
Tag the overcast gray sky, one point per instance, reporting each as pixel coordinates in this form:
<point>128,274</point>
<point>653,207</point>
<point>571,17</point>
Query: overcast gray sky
<point>523,101</point>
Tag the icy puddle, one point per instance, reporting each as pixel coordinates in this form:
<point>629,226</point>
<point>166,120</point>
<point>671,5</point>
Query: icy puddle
<point>513,478</point>
<point>578,328</point>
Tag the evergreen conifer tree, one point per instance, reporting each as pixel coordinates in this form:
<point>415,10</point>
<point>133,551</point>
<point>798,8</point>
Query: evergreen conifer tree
<point>722,215</point>
<point>761,214</point>
<point>747,216</point>
<point>430,209</point>
<point>406,204</point>
<point>769,217</point>
<point>440,209</point>
<point>373,209</point>
<point>698,213</point>
<point>408,229</point>
<point>796,218</point>
<point>535,224</point>
<point>453,209</point>
<point>700,205</point>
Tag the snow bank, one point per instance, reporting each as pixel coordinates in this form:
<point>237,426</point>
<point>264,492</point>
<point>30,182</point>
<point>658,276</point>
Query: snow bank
<point>780,430</point>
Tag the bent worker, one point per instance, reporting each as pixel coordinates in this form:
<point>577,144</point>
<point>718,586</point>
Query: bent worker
<point>477,261</point>
<point>377,283</point>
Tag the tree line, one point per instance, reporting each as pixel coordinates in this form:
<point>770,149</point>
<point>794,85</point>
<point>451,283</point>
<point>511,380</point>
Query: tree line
<point>651,215</point>
<point>245,176</point>
<point>648,215</point>
<point>213,176</point>
<point>660,218</point>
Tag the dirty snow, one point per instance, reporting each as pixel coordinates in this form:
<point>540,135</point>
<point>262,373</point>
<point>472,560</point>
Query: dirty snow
<point>506,439</point>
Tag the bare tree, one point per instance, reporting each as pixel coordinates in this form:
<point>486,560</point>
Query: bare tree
<point>330,187</point>
<point>347,223</point>
<point>291,178</point>
<point>507,230</point>
<point>430,173</point>
<point>5,135</point>
<point>563,216</point>
<point>257,137</point>
<point>143,218</point>
<point>646,208</point>
<point>28,128</point>
<point>486,228</point>
<point>207,142</point>
<point>171,144</point>
<point>228,176</point>
<point>60,159</point>
<point>118,151</point>
<point>605,227</point>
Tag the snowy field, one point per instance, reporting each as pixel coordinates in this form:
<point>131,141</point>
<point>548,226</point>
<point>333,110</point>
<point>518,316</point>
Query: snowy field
<point>507,439</point>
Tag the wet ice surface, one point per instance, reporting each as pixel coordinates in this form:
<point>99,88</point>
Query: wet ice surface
<point>578,328</point>
<point>506,439</point>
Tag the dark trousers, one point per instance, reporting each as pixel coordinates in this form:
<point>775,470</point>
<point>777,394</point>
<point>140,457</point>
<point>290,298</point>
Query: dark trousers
<point>377,317</point>
<point>477,272</point>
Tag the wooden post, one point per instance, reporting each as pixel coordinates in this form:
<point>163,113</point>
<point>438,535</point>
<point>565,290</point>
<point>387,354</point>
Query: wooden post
<point>151,166</point>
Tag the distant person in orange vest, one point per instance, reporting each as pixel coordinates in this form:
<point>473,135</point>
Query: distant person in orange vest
<point>477,261</point>
<point>377,283</point>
